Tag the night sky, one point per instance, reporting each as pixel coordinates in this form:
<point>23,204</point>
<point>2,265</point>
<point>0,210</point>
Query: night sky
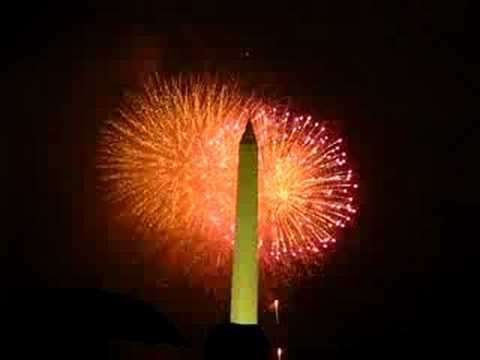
<point>396,79</point>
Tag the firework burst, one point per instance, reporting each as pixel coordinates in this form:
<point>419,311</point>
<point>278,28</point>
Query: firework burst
<point>169,164</point>
<point>306,189</point>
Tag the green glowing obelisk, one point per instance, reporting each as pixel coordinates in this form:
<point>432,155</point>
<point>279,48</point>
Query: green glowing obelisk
<point>243,307</point>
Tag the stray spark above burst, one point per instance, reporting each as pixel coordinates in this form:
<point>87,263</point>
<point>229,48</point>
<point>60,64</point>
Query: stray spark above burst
<point>168,163</point>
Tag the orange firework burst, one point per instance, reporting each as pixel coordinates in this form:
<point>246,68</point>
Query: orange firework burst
<point>169,164</point>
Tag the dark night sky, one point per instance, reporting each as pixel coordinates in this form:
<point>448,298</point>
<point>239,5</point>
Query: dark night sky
<point>398,79</point>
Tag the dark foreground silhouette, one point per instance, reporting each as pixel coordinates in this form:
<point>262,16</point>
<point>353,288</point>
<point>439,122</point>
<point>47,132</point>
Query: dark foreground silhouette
<point>231,341</point>
<point>79,324</point>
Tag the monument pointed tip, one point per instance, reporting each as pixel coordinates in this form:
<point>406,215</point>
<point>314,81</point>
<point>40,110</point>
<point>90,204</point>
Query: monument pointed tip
<point>248,136</point>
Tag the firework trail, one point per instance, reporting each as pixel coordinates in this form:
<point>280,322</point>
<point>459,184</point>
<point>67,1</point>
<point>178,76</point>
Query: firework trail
<point>275,307</point>
<point>277,319</point>
<point>168,164</point>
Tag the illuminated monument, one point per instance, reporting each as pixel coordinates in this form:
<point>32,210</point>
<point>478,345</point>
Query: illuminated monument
<point>242,338</point>
<point>244,296</point>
